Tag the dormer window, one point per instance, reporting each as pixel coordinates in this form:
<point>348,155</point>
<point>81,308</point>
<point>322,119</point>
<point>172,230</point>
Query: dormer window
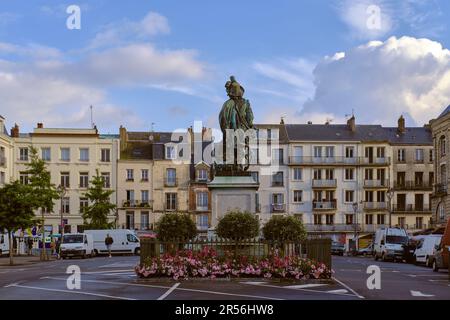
<point>202,175</point>
<point>170,152</point>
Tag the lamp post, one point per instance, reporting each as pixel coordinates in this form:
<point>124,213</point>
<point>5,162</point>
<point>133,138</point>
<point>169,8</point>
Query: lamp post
<point>390,195</point>
<point>62,192</point>
<point>355,210</point>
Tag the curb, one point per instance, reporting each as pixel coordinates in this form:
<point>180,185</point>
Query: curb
<point>278,280</point>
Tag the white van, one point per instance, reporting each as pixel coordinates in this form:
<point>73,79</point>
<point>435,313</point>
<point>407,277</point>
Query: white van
<point>425,249</point>
<point>4,244</point>
<point>77,245</point>
<point>125,241</point>
<point>389,243</point>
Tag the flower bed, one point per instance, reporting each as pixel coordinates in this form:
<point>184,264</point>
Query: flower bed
<point>206,263</point>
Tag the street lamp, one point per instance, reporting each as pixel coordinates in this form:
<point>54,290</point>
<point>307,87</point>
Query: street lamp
<point>390,195</point>
<point>62,192</point>
<point>355,210</point>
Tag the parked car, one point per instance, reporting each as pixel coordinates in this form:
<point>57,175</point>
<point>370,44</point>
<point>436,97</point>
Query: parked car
<point>337,248</point>
<point>77,245</point>
<point>441,255</point>
<point>389,243</point>
<point>367,251</point>
<point>425,249</point>
<point>124,241</point>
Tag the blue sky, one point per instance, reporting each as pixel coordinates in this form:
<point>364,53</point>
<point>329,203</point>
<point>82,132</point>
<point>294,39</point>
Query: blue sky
<point>166,62</point>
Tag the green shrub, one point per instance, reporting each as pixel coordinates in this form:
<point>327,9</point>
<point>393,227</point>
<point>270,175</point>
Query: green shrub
<point>175,226</point>
<point>284,228</point>
<point>238,225</point>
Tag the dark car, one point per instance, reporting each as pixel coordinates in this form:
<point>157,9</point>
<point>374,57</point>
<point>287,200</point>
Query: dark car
<point>337,248</point>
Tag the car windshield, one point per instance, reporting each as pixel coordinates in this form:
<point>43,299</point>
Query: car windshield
<point>396,239</point>
<point>73,239</point>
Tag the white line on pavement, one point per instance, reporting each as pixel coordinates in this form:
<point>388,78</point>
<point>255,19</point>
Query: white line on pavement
<point>420,294</point>
<point>71,291</point>
<point>348,288</point>
<point>304,286</point>
<point>107,271</point>
<point>180,289</point>
<point>338,291</point>
<point>169,291</point>
<point>306,290</point>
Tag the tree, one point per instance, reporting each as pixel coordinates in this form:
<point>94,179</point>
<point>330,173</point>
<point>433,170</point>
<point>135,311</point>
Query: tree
<point>238,225</point>
<point>43,192</point>
<point>16,211</point>
<point>175,225</point>
<point>280,228</point>
<point>95,216</point>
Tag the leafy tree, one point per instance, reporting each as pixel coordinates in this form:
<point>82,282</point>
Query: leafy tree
<point>95,216</point>
<point>280,228</point>
<point>175,225</point>
<point>16,211</point>
<point>238,225</point>
<point>42,190</point>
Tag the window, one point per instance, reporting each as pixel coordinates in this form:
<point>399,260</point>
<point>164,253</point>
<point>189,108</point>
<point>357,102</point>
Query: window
<point>23,154</point>
<point>202,221</point>
<point>84,154</point>
<point>65,154</point>
<point>369,218</point>
<point>84,203</point>
<point>106,176</point>
<point>442,146</point>
<point>317,174</point>
<point>349,196</point>
<point>380,152</point>
<point>84,180</point>
<point>171,177</point>
<point>418,179</point>
<point>349,152</point>
<point>46,155</point>
<point>443,173</point>
<point>298,196</point>
<point>381,196</point>
<point>430,179</point>
<point>401,155</point>
<point>277,198</point>
<point>317,152</point>
<point>368,196</point>
<point>368,174</point>
<point>2,178</point>
<point>65,179</point>
<point>202,201</point>
<point>317,219</point>
<point>419,222</point>
<point>255,176</point>
<point>130,175</point>
<point>277,179</point>
<point>419,155</point>
<point>144,196</point>
<point>130,195</point>
<point>145,220</point>
<point>277,156</point>
<point>381,219</point>
<point>329,174</point>
<point>402,222</point>
<point>348,219</point>
<point>329,152</point>
<point>170,152</point>
<point>431,155</point>
<point>329,219</point>
<point>23,178</point>
<point>144,175</point>
<point>297,174</point>
<point>129,222</point>
<point>254,155</point>
<point>171,201</point>
<point>349,174</point>
<point>202,175</point>
<point>106,155</point>
<point>66,205</point>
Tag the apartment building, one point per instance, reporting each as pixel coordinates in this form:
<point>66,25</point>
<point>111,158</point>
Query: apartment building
<point>6,152</point>
<point>200,196</point>
<point>73,157</point>
<point>440,197</point>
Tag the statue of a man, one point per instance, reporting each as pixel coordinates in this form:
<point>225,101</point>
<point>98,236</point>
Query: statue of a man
<point>236,112</point>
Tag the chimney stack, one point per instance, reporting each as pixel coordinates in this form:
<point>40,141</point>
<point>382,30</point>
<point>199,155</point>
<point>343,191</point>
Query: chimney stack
<point>123,138</point>
<point>401,125</point>
<point>15,131</point>
<point>351,124</point>
<point>40,125</point>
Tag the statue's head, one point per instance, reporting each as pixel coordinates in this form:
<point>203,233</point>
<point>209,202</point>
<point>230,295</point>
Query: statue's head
<point>232,79</point>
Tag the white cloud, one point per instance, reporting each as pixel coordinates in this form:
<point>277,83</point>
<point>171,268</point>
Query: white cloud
<point>382,80</point>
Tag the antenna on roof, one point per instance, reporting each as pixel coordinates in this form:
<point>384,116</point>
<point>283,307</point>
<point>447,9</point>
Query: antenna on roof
<point>92,117</point>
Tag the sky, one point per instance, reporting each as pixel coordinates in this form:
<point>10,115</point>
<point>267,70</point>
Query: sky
<point>162,64</point>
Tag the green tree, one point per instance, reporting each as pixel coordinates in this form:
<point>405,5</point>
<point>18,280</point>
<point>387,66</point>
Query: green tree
<point>175,225</point>
<point>95,216</point>
<point>238,225</point>
<point>16,211</point>
<point>280,228</point>
<point>43,192</point>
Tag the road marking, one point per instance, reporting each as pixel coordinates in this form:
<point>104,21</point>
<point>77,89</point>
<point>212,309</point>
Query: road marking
<point>420,294</point>
<point>169,291</point>
<point>306,290</point>
<point>108,271</point>
<point>338,291</point>
<point>412,275</point>
<point>117,265</point>
<point>180,289</point>
<point>72,291</point>
<point>302,286</point>
<point>348,288</point>
<point>433,280</point>
<point>345,270</point>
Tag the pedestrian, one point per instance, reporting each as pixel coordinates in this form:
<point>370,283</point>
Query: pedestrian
<point>30,245</point>
<point>58,248</point>
<point>108,242</point>
<point>53,247</point>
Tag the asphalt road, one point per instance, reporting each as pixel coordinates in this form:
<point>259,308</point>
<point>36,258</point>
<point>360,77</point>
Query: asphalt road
<point>113,278</point>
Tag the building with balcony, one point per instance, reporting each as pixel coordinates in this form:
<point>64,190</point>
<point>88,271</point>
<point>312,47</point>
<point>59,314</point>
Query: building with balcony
<point>440,207</point>
<point>73,157</point>
<point>6,154</point>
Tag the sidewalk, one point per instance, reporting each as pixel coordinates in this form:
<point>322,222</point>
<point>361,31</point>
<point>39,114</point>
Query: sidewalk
<point>22,261</point>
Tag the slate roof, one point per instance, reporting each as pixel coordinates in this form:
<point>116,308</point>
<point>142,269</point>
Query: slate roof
<point>445,112</point>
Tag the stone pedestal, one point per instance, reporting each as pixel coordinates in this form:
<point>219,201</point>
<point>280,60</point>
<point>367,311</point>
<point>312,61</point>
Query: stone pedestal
<point>232,193</point>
